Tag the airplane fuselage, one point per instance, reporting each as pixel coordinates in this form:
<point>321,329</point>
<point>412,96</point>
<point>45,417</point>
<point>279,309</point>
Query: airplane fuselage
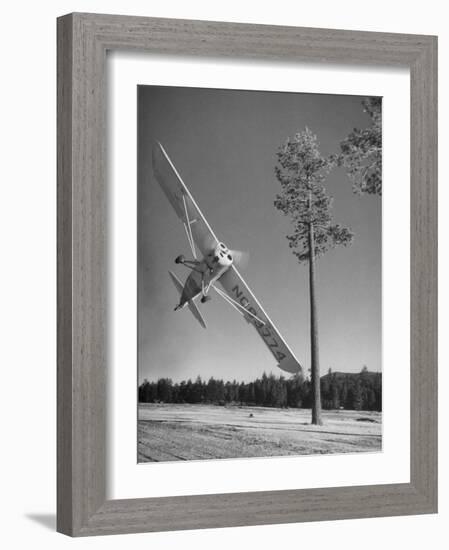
<point>205,272</point>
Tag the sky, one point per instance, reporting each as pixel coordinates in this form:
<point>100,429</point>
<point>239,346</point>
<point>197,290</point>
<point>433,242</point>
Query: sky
<point>223,144</point>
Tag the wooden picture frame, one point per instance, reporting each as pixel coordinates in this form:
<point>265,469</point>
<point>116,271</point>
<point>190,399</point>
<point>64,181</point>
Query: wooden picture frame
<point>83,40</point>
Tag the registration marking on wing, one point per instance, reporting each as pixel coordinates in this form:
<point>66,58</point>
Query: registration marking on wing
<point>265,330</point>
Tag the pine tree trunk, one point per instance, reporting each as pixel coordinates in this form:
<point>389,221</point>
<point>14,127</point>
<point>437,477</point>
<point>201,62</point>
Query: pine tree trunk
<point>314,354</point>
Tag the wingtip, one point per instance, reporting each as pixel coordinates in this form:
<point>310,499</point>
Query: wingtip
<point>157,147</point>
<point>292,366</point>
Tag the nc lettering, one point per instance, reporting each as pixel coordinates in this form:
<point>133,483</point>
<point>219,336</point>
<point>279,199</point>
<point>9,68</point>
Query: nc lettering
<point>263,330</point>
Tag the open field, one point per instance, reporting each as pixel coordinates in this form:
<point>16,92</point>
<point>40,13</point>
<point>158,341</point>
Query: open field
<point>168,432</point>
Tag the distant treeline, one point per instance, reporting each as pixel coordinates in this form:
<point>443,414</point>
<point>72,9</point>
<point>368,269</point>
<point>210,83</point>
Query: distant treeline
<point>354,391</point>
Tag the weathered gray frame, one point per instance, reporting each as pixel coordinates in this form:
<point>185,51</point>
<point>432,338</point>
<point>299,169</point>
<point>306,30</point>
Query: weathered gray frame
<point>83,40</point>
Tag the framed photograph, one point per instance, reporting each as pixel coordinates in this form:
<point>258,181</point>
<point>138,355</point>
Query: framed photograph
<point>229,391</point>
<point>247,282</point>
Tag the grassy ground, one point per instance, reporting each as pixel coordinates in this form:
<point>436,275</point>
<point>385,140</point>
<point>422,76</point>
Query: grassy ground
<point>193,432</point>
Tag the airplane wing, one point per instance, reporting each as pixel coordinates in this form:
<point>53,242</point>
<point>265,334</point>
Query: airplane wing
<point>238,291</point>
<point>197,229</point>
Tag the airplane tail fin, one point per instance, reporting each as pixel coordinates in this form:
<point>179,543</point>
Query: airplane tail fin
<point>192,306</point>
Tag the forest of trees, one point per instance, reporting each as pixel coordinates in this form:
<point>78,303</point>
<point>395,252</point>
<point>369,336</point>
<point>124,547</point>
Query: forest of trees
<point>354,391</point>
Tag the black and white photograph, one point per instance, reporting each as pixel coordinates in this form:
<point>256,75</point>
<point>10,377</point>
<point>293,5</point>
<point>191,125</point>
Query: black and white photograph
<point>259,274</point>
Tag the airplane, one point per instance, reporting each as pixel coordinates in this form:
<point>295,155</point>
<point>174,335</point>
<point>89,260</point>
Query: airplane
<point>214,263</point>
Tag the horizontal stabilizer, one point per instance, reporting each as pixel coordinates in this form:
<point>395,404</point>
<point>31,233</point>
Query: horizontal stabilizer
<point>193,308</point>
<point>196,313</point>
<point>176,282</point>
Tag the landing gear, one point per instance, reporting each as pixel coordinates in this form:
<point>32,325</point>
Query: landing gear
<point>205,299</point>
<point>180,259</point>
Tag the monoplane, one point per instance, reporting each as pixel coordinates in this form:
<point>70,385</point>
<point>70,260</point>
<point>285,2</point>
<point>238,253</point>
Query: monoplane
<point>213,262</point>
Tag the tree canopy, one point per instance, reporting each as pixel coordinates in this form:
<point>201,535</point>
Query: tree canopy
<point>301,171</point>
<point>361,152</point>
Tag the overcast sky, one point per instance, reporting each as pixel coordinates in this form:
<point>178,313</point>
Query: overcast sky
<point>223,144</point>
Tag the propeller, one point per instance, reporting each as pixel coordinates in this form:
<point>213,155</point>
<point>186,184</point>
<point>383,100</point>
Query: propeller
<point>240,258</point>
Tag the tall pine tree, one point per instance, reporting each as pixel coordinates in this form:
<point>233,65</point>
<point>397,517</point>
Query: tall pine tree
<point>301,170</point>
